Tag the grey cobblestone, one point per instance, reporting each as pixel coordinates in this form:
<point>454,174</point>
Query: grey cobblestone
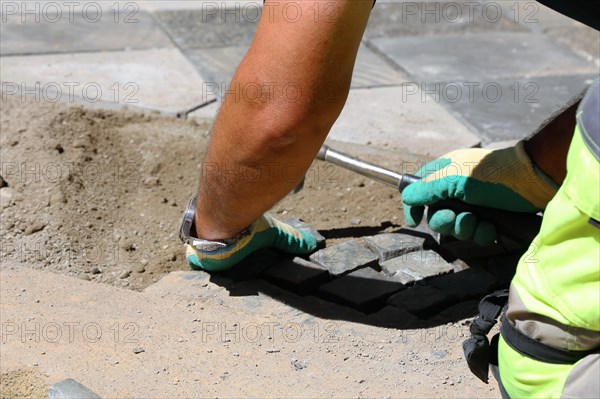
<point>364,289</point>
<point>393,317</point>
<point>459,311</point>
<point>504,268</point>
<point>300,225</point>
<point>297,274</point>
<point>421,300</point>
<point>469,250</point>
<point>470,283</point>
<point>415,266</point>
<point>390,245</point>
<point>254,264</point>
<point>344,258</point>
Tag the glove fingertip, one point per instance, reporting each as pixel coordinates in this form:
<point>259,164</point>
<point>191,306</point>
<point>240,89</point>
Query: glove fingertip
<point>485,234</point>
<point>465,225</point>
<point>413,215</point>
<point>442,221</point>
<point>416,194</point>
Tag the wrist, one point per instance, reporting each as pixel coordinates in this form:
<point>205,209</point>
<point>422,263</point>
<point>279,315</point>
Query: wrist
<point>199,230</point>
<point>189,234</point>
<point>548,148</point>
<point>553,172</point>
<point>547,174</point>
<point>532,182</point>
<point>212,225</point>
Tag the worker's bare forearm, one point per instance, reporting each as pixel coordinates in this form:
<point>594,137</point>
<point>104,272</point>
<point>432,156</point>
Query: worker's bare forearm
<point>287,93</point>
<point>548,148</point>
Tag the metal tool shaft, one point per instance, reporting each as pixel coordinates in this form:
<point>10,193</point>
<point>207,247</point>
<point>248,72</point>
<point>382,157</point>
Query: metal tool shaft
<point>369,170</point>
<point>374,172</point>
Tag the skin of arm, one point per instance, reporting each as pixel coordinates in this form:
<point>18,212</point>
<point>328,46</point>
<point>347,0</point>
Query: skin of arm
<point>548,148</point>
<point>286,94</point>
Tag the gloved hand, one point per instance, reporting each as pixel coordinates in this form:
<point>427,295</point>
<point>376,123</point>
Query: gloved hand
<point>263,233</point>
<point>503,179</point>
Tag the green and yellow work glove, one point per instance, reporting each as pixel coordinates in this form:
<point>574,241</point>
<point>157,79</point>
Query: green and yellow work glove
<point>266,232</point>
<point>503,179</point>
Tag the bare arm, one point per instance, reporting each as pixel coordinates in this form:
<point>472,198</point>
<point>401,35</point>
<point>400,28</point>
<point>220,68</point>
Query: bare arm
<point>285,96</point>
<point>548,148</point>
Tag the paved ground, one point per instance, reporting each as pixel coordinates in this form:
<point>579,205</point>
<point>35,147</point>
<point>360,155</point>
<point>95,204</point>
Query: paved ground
<point>425,73</point>
<point>188,337</point>
<point>430,77</point>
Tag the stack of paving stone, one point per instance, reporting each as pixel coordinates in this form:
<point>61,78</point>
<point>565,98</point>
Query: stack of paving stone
<point>408,271</point>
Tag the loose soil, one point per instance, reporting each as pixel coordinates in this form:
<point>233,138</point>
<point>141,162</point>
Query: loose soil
<point>99,194</point>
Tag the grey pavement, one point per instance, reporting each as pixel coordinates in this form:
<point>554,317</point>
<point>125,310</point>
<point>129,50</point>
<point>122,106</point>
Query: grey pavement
<point>430,76</point>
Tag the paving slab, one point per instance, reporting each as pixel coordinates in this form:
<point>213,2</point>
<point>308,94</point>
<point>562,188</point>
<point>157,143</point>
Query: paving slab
<point>163,5</point>
<point>65,31</point>
<point>535,16</point>
<point>344,258</point>
<point>371,70</point>
<point>211,26</point>
<point>488,57</point>
<point>582,39</point>
<point>421,300</point>
<point>470,283</point>
<point>397,117</point>
<point>364,289</point>
<point>297,275</point>
<point>160,80</point>
<point>499,145</point>
<point>206,113</point>
<point>390,245</point>
<point>416,266</point>
<point>510,108</point>
<point>218,65</point>
<point>407,18</point>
